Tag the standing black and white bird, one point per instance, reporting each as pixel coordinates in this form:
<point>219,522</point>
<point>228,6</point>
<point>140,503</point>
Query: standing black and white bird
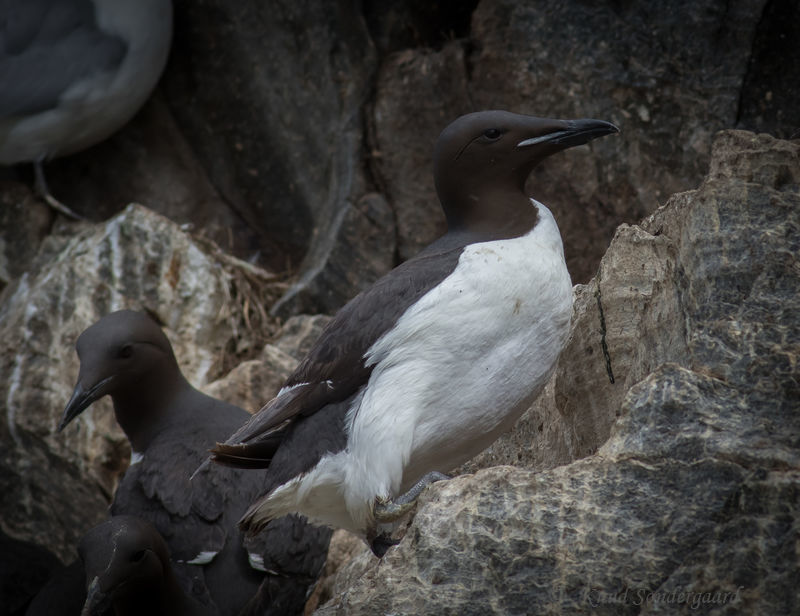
<point>128,572</point>
<point>72,72</point>
<point>171,426</point>
<point>429,366</point>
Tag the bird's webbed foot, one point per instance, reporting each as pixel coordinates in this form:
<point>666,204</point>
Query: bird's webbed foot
<point>391,510</point>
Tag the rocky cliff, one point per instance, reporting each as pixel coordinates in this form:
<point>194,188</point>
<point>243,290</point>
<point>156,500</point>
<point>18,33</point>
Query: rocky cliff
<point>284,164</point>
<point>294,132</point>
<point>661,472</point>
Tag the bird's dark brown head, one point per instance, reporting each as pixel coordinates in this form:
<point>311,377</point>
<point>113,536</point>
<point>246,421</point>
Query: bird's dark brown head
<point>124,352</point>
<point>482,159</point>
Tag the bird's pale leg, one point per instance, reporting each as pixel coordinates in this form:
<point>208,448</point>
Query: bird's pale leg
<point>391,510</point>
<point>44,192</point>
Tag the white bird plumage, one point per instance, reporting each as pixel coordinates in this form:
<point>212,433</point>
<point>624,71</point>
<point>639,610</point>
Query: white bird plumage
<point>430,365</point>
<point>504,312</point>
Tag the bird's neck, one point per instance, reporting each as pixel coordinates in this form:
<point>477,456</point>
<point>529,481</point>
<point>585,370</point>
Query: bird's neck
<point>498,213</point>
<point>143,408</point>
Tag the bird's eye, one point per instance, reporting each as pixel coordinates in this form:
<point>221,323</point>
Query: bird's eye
<point>126,351</point>
<point>493,134</point>
<point>137,556</point>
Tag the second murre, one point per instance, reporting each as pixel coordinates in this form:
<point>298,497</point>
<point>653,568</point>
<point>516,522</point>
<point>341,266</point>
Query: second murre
<point>170,426</point>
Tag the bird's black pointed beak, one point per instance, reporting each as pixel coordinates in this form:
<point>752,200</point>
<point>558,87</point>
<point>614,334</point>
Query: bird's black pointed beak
<point>571,133</point>
<point>81,400</point>
<point>97,601</point>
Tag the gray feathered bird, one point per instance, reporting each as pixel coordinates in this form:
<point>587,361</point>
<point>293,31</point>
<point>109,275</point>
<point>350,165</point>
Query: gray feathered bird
<point>171,426</point>
<point>128,571</point>
<point>72,72</point>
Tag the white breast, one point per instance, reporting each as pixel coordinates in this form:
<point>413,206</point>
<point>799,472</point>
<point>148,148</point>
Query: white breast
<point>457,370</point>
<point>464,362</point>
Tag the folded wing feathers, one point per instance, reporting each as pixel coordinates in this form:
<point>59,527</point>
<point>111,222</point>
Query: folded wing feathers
<point>273,415</point>
<point>254,444</point>
<point>258,455</point>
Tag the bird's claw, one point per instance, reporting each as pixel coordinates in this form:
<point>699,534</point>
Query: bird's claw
<point>385,510</point>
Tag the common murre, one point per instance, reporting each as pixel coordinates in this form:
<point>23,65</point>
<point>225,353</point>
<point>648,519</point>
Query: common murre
<point>171,425</point>
<point>430,365</point>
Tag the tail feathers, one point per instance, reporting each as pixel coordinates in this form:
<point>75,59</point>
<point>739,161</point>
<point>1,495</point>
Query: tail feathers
<point>253,522</point>
<point>257,516</point>
<point>252,455</point>
<point>274,504</point>
<point>302,400</point>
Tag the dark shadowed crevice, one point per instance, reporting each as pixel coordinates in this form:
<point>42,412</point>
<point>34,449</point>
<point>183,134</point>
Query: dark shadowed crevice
<point>603,343</point>
<point>771,87</point>
<point>21,583</point>
<point>417,23</point>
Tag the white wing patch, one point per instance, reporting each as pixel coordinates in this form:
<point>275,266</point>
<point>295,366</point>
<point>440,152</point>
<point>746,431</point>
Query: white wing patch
<point>203,558</point>
<point>136,457</point>
<point>256,562</point>
<point>286,389</point>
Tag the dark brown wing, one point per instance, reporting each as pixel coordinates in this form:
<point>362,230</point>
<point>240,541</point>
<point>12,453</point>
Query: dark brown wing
<point>336,368</point>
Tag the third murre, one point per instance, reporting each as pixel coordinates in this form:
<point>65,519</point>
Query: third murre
<point>170,426</point>
<point>430,365</point>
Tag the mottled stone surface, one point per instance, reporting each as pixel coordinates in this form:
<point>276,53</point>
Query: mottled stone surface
<point>56,486</point>
<point>669,74</point>
<point>405,128</point>
<point>24,222</point>
<point>686,488</point>
<point>344,548</point>
<point>298,334</point>
<point>273,121</point>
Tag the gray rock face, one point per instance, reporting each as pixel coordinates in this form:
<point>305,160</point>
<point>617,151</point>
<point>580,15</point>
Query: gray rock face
<point>357,250</point>
<point>273,122</point>
<point>669,74</point>
<point>24,223</point>
<point>772,84</point>
<point>434,84</point>
<point>150,162</point>
<point>270,97</point>
<point>688,483</point>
